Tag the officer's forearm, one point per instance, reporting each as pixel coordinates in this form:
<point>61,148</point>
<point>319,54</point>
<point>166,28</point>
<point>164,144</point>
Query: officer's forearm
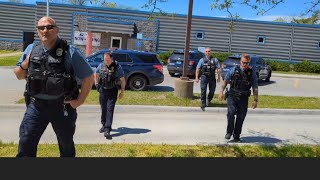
<point>96,76</point>
<point>20,73</point>
<point>85,88</point>
<point>255,94</point>
<point>197,73</point>
<point>224,85</point>
<point>123,84</point>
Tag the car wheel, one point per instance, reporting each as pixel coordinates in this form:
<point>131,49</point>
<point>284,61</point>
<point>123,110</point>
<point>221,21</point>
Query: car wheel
<point>171,74</point>
<point>137,83</point>
<point>268,78</point>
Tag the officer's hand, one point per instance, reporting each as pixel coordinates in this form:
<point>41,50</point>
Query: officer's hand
<point>254,104</point>
<point>74,103</point>
<point>197,80</point>
<point>218,79</point>
<point>97,87</point>
<point>221,96</point>
<point>121,94</point>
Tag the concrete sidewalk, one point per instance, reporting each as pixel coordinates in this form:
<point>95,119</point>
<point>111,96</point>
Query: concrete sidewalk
<point>171,109</point>
<point>177,125</point>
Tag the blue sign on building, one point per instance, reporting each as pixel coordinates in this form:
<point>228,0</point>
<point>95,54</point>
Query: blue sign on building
<point>139,43</point>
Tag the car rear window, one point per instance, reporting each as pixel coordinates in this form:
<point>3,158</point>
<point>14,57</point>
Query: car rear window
<point>181,56</point>
<point>232,61</point>
<point>146,58</point>
<point>121,57</point>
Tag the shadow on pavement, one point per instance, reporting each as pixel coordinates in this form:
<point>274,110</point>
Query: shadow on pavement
<point>124,130</point>
<point>263,83</point>
<point>260,139</point>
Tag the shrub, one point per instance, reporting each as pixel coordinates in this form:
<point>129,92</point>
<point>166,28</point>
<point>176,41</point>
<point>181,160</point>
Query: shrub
<point>279,66</point>
<point>221,56</point>
<point>304,66</point>
<point>163,56</point>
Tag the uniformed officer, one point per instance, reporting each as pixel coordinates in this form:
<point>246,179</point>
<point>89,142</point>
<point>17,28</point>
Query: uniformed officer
<point>50,68</point>
<point>207,67</point>
<point>109,77</point>
<point>241,78</point>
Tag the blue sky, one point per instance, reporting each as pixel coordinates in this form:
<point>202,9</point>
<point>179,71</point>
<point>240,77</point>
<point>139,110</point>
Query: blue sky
<point>291,8</point>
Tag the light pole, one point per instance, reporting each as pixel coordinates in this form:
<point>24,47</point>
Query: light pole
<point>47,7</point>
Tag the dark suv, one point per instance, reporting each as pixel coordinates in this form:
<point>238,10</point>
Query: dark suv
<point>140,68</point>
<point>258,63</point>
<point>175,62</point>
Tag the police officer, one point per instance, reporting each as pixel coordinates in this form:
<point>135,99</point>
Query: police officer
<point>50,68</point>
<point>207,67</point>
<point>242,79</point>
<point>109,77</point>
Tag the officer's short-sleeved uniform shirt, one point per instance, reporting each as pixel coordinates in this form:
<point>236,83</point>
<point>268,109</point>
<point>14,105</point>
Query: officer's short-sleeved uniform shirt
<point>201,63</point>
<point>118,72</point>
<point>74,59</point>
<point>254,80</point>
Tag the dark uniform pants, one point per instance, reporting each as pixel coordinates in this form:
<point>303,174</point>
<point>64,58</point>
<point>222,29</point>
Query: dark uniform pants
<point>204,82</point>
<point>38,115</point>
<point>237,105</point>
<point>108,99</point>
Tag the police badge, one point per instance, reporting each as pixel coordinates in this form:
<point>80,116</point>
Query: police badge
<point>59,52</point>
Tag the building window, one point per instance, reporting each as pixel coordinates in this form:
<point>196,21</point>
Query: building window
<point>199,35</point>
<point>318,44</point>
<point>261,39</point>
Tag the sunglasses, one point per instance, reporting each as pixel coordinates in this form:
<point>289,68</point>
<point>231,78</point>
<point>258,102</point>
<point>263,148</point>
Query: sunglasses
<point>208,51</point>
<point>48,27</point>
<point>245,62</point>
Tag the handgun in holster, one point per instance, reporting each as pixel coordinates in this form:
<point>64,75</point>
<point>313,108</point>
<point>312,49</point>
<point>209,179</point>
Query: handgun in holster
<point>226,94</point>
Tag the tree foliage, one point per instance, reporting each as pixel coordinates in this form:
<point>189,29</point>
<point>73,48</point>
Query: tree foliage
<point>16,1</point>
<point>311,20</point>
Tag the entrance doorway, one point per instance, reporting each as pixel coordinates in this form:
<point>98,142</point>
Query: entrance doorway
<point>116,42</point>
<point>28,38</point>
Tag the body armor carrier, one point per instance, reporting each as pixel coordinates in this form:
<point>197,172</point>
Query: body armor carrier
<point>107,76</point>
<point>47,76</point>
<point>241,82</point>
<point>209,67</point>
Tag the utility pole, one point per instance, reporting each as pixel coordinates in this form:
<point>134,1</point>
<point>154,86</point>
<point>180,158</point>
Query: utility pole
<point>183,86</point>
<point>47,7</point>
<point>187,42</point>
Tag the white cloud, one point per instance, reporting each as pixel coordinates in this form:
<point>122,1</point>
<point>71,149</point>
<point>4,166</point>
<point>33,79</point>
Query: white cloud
<point>274,17</point>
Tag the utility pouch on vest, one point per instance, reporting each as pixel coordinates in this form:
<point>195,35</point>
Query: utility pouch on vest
<point>55,86</point>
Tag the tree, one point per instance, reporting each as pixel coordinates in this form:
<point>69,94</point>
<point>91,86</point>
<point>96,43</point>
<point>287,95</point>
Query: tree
<point>261,6</point>
<point>281,19</point>
<point>311,20</point>
<point>78,2</point>
<point>16,1</point>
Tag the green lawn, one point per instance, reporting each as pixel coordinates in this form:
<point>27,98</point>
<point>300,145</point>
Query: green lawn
<point>9,60</point>
<point>168,99</point>
<point>150,150</point>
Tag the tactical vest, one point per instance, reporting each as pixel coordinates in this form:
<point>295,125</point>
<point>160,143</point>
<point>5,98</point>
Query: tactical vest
<point>107,76</point>
<point>241,81</point>
<point>48,78</point>
<point>209,67</point>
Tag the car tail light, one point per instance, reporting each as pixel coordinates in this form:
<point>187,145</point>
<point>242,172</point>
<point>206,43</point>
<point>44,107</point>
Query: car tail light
<point>191,62</point>
<point>168,60</point>
<point>158,67</point>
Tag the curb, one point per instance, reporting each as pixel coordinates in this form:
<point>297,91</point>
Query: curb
<point>159,109</point>
<point>295,76</point>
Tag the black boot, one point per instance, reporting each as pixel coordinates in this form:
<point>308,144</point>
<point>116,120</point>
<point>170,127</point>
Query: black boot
<point>107,134</point>
<point>227,136</point>
<point>102,129</point>
<point>236,138</point>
